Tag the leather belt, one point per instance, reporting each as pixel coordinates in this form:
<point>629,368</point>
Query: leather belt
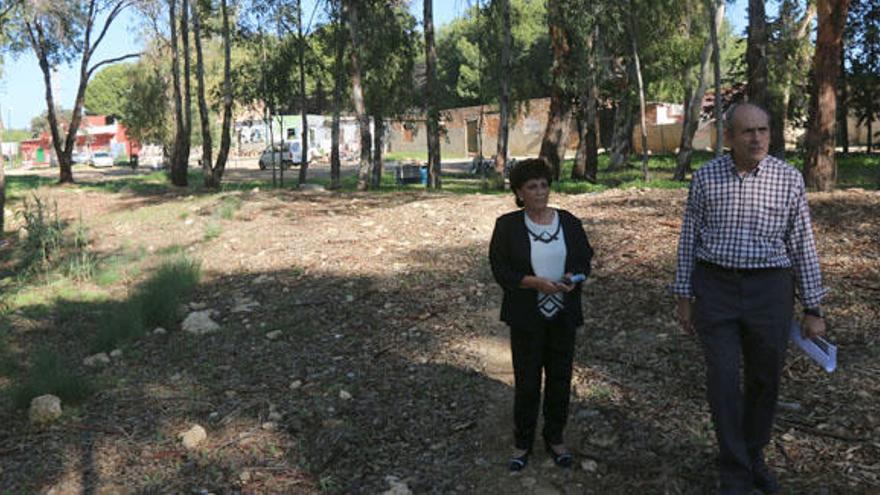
<point>737,271</point>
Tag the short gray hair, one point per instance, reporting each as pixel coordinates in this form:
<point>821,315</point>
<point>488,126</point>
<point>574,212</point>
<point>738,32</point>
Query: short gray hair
<point>731,111</point>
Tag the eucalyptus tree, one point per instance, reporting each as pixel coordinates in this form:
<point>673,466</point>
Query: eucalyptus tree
<point>213,171</point>
<point>351,14</point>
<point>863,61</point>
<point>390,48</point>
<point>182,90</point>
<point>789,50</point>
<point>756,54</point>
<point>503,6</point>
<point>58,33</point>
<point>820,168</point>
<point>708,16</point>
<point>432,112</point>
<point>559,114</point>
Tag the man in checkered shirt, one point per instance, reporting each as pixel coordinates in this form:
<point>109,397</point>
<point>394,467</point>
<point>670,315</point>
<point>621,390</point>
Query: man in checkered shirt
<point>746,247</point>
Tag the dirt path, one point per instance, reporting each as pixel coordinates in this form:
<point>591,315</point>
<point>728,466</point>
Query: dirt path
<point>391,367</point>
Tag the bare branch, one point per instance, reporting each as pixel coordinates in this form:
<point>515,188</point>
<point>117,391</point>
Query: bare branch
<point>112,61</point>
<point>117,9</point>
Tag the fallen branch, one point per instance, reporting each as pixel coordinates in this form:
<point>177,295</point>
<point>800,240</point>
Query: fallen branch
<point>821,433</point>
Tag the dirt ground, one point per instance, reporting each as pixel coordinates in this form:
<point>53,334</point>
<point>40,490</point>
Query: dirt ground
<point>392,369</point>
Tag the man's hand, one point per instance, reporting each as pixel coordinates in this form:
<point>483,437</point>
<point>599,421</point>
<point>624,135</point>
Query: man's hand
<point>685,313</point>
<point>812,326</point>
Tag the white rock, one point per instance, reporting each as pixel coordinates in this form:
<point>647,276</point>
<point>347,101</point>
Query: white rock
<point>589,465</point>
<point>200,323</point>
<point>97,359</point>
<point>262,279</point>
<point>245,305</point>
<point>116,353</point>
<point>312,187</point>
<point>296,384</point>
<point>344,395</point>
<point>45,409</point>
<point>193,437</point>
<point>269,426</point>
<point>274,335</point>
<point>159,331</point>
<point>398,487</point>
<point>275,416</point>
<point>197,306</point>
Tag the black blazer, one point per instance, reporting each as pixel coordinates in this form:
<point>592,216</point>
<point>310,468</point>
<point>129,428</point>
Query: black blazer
<point>510,256</point>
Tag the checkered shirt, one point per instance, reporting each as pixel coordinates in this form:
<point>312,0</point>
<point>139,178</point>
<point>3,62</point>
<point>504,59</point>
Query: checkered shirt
<point>761,220</point>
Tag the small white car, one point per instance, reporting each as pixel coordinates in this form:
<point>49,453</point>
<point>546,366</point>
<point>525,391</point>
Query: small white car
<point>102,159</point>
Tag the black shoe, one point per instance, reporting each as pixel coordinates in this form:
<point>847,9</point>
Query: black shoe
<point>764,479</point>
<point>562,460</point>
<point>517,464</point>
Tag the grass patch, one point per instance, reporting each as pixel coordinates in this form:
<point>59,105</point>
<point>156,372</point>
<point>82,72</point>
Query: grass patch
<point>44,236</point>
<point>49,374</point>
<point>212,231</point>
<point>118,324</point>
<point>228,206</point>
<point>172,284</point>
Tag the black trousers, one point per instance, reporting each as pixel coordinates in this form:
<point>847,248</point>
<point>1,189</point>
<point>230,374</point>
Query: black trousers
<point>742,316</point>
<point>545,349</point>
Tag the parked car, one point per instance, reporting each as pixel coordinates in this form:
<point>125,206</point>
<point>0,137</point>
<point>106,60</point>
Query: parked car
<point>154,162</point>
<point>102,159</point>
<point>280,155</point>
<point>79,157</point>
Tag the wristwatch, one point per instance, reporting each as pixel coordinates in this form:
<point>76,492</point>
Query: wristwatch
<point>817,312</point>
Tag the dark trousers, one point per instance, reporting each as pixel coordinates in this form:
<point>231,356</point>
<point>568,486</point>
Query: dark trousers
<point>548,349</point>
<point>742,316</point>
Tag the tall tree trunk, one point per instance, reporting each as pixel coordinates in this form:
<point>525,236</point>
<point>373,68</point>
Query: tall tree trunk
<point>204,115</point>
<point>586,161</point>
<point>226,129</point>
<point>180,159</point>
<point>621,140</point>
<point>715,28</point>
<point>357,94</point>
<point>756,54</point>
<point>779,109</point>
<point>692,108</point>
<point>638,70</point>
<point>433,113</point>
<point>820,170</point>
<point>335,164</point>
<point>179,125</point>
<point>2,196</point>
<point>558,119</point>
<point>378,149</point>
<point>504,96</point>
<point>843,105</point>
<point>38,42</point>
<point>304,167</point>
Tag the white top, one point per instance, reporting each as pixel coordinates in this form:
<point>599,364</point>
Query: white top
<point>548,259</point>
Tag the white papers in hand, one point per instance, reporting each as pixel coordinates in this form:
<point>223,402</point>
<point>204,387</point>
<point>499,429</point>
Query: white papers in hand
<point>821,351</point>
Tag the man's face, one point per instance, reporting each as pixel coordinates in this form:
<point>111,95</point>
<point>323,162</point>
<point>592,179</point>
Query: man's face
<point>749,139</point>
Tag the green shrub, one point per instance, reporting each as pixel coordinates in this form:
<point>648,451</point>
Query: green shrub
<point>213,231</point>
<point>82,264</point>
<point>44,236</point>
<point>171,285</point>
<point>48,374</point>
<point>228,206</point>
<point>119,323</point>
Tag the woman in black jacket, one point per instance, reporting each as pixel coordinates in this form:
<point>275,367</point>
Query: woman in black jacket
<point>537,254</point>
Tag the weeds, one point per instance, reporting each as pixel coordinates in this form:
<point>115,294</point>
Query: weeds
<point>228,206</point>
<point>120,323</point>
<point>44,236</point>
<point>82,264</point>
<point>50,375</point>
<point>213,231</point>
<point>161,294</point>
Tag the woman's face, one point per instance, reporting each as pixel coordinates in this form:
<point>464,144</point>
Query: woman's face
<point>534,193</point>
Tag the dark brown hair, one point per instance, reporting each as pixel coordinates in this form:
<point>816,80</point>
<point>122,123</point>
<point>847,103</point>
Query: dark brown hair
<point>526,170</point>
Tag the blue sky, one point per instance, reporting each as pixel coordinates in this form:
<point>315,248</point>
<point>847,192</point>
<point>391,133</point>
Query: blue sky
<point>22,92</point>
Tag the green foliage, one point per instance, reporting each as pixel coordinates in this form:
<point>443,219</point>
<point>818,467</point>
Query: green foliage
<point>109,90</point>
<point>49,374</point>
<point>228,206</point>
<point>171,285</point>
<point>213,231</point>
<point>81,264</point>
<point>40,123</point>
<point>120,323</point>
<point>44,236</point>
